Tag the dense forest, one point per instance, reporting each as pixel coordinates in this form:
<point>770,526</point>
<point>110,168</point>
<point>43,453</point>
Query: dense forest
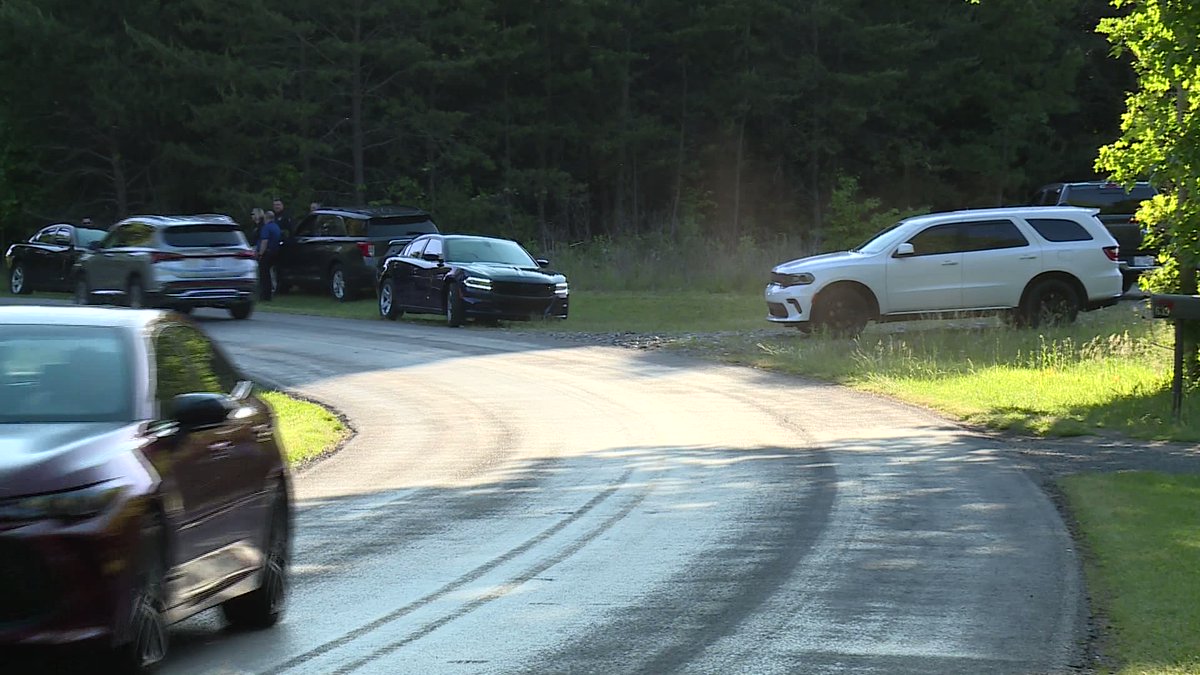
<point>550,121</point>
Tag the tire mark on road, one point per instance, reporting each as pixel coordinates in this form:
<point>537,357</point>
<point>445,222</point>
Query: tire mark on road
<point>467,578</point>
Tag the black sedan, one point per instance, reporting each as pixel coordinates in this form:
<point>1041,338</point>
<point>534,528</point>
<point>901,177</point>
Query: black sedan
<point>141,481</point>
<point>465,277</point>
<point>45,261</point>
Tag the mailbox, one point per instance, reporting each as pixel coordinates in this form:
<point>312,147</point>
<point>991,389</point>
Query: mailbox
<point>1180,307</point>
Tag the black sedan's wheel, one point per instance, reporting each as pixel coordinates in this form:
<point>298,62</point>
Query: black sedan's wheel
<point>263,606</point>
<point>83,294</point>
<point>455,314</point>
<point>18,283</point>
<point>145,641</point>
<point>389,307</point>
<point>1052,302</point>
<point>842,312</point>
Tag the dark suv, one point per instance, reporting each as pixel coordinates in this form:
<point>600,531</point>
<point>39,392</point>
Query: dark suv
<point>1117,208</point>
<point>339,249</point>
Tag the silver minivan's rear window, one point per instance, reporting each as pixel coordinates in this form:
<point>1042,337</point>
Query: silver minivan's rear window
<point>201,236</point>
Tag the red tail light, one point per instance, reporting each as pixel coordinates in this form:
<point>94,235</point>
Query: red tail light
<point>364,248</point>
<point>245,254</point>
<point>1111,252</point>
<point>159,256</point>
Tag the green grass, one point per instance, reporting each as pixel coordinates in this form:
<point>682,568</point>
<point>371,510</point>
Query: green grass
<point>307,430</point>
<point>1142,531</point>
<point>657,312</point>
<point>321,305</point>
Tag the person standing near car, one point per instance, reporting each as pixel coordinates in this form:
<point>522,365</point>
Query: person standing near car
<point>257,216</point>
<point>282,217</point>
<point>267,248</point>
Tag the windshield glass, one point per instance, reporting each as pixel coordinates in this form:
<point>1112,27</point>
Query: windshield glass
<point>392,227</point>
<point>188,236</point>
<point>499,251</point>
<point>878,241</point>
<point>1109,198</point>
<point>64,374</point>
<point>84,236</point>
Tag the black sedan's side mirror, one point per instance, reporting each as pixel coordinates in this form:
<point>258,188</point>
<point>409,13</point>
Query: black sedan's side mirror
<point>432,257</point>
<point>199,410</point>
<point>542,262</point>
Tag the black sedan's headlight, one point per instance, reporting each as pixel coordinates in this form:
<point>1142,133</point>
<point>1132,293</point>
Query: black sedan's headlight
<point>478,283</point>
<point>785,280</point>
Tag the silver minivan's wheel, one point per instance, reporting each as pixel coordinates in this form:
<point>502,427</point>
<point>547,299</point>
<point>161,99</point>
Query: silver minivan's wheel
<point>135,295</point>
<point>83,295</point>
<point>18,283</point>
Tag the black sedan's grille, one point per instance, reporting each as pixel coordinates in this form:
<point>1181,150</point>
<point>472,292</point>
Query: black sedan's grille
<point>25,588</point>
<point>524,290</point>
<point>777,310</point>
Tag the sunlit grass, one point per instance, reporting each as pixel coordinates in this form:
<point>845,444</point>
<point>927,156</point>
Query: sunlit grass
<point>306,429</point>
<point>1142,532</point>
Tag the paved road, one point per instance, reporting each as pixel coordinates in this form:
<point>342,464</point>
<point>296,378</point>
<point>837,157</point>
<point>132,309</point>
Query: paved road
<point>518,506</point>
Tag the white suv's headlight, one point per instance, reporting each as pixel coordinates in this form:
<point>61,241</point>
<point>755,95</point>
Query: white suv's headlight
<point>561,289</point>
<point>77,504</point>
<point>785,280</point>
<point>478,283</point>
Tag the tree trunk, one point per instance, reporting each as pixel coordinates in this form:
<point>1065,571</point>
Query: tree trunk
<point>120,187</point>
<point>737,179</point>
<point>679,153</point>
<point>356,116</point>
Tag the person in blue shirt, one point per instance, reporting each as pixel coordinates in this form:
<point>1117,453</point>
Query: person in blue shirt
<point>267,248</point>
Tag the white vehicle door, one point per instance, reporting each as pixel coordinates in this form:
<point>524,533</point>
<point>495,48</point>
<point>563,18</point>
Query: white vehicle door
<point>998,260</point>
<point>930,278</point>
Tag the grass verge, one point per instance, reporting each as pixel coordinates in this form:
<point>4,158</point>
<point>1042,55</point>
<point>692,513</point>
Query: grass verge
<point>1143,538</point>
<point>307,430</point>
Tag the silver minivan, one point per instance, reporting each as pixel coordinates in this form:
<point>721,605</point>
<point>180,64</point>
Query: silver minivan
<point>176,262</point>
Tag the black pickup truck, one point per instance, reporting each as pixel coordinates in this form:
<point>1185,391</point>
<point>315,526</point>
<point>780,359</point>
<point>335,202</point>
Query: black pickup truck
<point>1117,208</point>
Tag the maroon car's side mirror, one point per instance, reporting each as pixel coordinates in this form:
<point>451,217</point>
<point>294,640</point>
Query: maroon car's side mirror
<point>200,409</point>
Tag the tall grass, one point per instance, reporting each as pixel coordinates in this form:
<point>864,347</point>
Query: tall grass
<point>649,263</point>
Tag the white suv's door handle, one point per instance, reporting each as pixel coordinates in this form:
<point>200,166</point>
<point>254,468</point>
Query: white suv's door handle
<point>1028,257</point>
<point>949,263</point>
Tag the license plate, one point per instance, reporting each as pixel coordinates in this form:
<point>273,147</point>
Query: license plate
<point>1143,261</point>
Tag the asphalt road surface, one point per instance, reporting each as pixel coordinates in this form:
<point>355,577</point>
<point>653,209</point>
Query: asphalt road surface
<point>511,505</point>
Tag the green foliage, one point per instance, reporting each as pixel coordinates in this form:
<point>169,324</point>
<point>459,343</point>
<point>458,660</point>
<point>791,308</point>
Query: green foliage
<point>854,217</point>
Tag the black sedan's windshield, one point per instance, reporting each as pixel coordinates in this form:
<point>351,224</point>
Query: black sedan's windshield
<point>499,251</point>
<point>64,374</point>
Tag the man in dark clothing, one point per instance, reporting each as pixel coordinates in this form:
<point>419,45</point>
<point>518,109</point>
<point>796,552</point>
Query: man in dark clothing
<point>267,248</point>
<point>282,217</point>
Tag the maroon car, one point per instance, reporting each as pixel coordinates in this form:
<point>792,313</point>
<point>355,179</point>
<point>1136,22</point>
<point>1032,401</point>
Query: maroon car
<point>141,481</point>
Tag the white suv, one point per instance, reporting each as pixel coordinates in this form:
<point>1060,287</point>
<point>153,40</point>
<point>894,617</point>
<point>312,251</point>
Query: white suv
<point>1039,265</point>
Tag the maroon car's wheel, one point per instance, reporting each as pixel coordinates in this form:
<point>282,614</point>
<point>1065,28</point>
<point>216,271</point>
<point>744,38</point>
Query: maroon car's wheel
<point>262,607</point>
<point>145,644</point>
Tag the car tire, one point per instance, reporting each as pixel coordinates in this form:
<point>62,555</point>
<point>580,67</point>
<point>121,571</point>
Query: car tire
<point>242,310</point>
<point>455,316</point>
<point>145,636</point>
<point>389,308</point>
<point>83,294</point>
<point>339,288</point>
<point>841,312</point>
<point>1127,282</point>
<point>18,283</point>
<point>1050,302</point>
<point>135,294</point>
<point>262,607</point>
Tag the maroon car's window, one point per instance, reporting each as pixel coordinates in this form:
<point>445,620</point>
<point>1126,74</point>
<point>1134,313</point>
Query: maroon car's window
<point>185,363</point>
<point>51,374</point>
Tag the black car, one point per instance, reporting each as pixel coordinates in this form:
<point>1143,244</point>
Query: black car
<point>142,482</point>
<point>339,249</point>
<point>470,277</point>
<point>45,261</point>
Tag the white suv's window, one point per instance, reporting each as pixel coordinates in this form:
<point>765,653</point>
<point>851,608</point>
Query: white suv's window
<point>1060,229</point>
<point>937,240</point>
<point>991,235</point>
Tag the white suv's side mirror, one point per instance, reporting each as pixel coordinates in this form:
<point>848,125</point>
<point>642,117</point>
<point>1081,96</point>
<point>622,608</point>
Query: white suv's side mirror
<point>904,250</point>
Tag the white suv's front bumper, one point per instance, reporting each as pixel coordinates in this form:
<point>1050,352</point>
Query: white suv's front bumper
<point>789,304</point>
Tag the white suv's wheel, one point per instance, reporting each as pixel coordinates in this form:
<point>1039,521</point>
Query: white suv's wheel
<point>1050,302</point>
<point>842,312</point>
